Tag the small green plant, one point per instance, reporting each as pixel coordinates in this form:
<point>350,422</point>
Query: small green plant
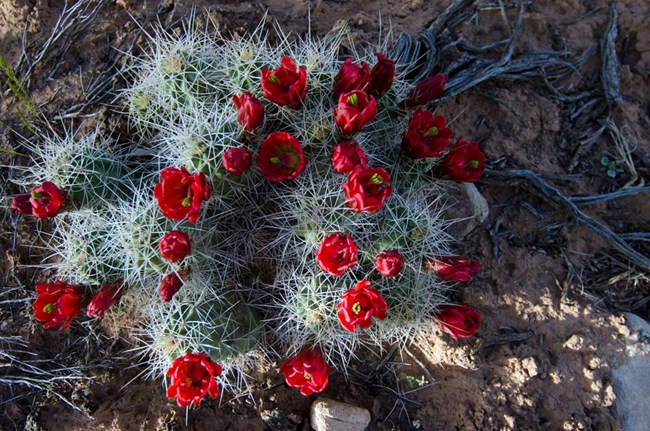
<point>614,167</point>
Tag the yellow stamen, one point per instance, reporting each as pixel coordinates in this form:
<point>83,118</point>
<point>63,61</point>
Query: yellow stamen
<point>353,100</point>
<point>376,179</point>
<point>48,308</point>
<point>273,79</point>
<point>186,202</point>
<point>432,131</point>
<point>356,308</point>
<point>307,376</point>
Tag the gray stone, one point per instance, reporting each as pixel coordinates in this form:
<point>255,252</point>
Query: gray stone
<point>631,380</point>
<point>480,206</point>
<point>330,415</point>
<point>471,206</point>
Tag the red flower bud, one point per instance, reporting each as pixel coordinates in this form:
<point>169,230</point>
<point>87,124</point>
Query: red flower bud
<point>193,376</point>
<point>367,189</point>
<point>426,90</point>
<point>354,111</point>
<point>250,112</point>
<point>281,157</point>
<point>180,193</point>
<point>452,268</point>
<point>350,77</point>
<point>46,200</point>
<point>426,135</point>
<point>459,321</point>
<point>348,155</point>
<point>109,294</point>
<point>337,253</point>
<point>382,75</point>
<point>175,246</point>
<point>237,160</point>
<point>465,163</point>
<point>22,204</point>
<point>359,305</point>
<point>286,85</point>
<point>389,263</point>
<point>169,286</point>
<point>306,371</point>
<point>56,303</point>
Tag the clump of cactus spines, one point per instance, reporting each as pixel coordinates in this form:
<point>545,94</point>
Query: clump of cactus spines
<point>280,237</point>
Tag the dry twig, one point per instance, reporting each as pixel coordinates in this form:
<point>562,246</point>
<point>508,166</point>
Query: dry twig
<point>554,194</point>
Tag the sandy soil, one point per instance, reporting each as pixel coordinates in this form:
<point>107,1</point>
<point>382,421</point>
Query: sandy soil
<point>557,376</point>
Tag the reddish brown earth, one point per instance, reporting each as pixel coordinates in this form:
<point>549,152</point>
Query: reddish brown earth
<point>557,378</point>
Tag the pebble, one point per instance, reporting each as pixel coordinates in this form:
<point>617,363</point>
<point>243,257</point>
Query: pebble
<point>330,415</point>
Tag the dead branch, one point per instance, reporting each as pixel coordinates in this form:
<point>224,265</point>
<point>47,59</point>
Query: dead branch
<point>552,193</point>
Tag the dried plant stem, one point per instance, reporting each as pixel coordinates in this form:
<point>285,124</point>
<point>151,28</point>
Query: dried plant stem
<point>625,143</point>
<point>554,194</point>
<point>610,75</point>
<point>73,21</point>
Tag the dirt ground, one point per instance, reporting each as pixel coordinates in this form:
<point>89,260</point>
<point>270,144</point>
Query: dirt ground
<point>551,291</point>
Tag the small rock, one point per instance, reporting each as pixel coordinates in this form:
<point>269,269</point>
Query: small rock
<point>530,365</point>
<point>593,362</point>
<point>275,420</point>
<point>330,415</point>
<point>575,342</point>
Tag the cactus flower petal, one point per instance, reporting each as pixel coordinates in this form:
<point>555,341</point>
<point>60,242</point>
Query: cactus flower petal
<point>360,305</point>
<point>193,376</point>
<point>459,321</point>
<point>56,303</point>
<point>307,372</point>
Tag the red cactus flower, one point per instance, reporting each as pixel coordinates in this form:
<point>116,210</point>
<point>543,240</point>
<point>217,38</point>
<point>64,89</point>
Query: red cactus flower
<point>389,263</point>
<point>175,246</point>
<point>180,193</point>
<point>45,201</point>
<point>337,253</point>
<point>367,189</point>
<point>354,110</point>
<point>452,268</point>
<point>109,294</point>
<point>250,112</point>
<point>350,77</point>
<point>359,305</point>
<point>382,75</point>
<point>426,90</point>
<point>306,371</point>
<point>348,155</point>
<point>465,163</point>
<point>426,135</point>
<point>459,321</point>
<point>281,157</point>
<point>22,204</point>
<point>237,160</point>
<point>56,303</point>
<point>169,286</point>
<point>193,376</point>
<point>286,85</point>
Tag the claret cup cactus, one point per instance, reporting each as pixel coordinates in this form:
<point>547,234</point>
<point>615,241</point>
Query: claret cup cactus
<point>277,201</point>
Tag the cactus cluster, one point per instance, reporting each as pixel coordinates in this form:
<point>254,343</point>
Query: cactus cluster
<point>252,286</point>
